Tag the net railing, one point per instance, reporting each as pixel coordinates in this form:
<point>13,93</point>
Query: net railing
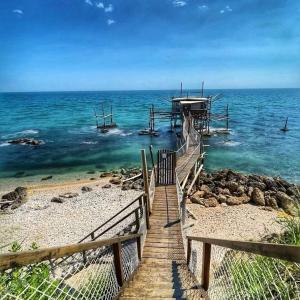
<point>236,274</point>
<point>92,273</point>
<point>152,187</point>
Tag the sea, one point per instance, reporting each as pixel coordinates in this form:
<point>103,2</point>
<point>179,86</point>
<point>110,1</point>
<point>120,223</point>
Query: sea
<point>66,123</point>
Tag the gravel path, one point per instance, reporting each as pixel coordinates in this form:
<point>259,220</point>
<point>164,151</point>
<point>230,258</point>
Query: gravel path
<point>241,222</point>
<point>52,224</point>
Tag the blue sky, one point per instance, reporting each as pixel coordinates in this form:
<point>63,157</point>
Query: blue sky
<point>49,45</point>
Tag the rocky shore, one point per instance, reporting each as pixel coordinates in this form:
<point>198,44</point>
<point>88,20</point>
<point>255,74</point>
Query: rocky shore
<point>228,188</point>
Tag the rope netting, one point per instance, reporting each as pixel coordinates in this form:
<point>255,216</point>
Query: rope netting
<point>240,275</point>
<point>87,275</point>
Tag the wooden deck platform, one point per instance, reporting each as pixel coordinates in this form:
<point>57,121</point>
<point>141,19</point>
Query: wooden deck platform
<point>163,272</point>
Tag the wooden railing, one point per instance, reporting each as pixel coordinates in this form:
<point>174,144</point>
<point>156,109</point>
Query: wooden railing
<point>278,251</point>
<point>93,235</point>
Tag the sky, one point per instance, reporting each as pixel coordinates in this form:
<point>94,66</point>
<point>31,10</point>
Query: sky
<point>61,45</point>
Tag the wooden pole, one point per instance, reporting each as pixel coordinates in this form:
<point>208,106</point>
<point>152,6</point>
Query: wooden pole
<point>139,247</point>
<point>147,211</point>
<point>183,213</point>
<point>202,89</point>
<point>103,115</point>
<point>206,265</point>
<point>96,118</point>
<point>181,89</point>
<point>189,251</point>
<point>111,115</point>
<point>145,174</point>
<point>118,263</point>
<point>152,160</point>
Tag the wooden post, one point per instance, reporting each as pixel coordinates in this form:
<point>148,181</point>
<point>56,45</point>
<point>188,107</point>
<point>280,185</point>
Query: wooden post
<point>118,262</point>
<point>189,250</point>
<point>139,247</point>
<point>180,91</point>
<point>147,211</point>
<point>92,235</point>
<point>103,116</point>
<point>206,265</point>
<point>145,173</point>
<point>152,160</point>
<point>183,213</point>
<point>111,115</point>
<point>137,220</point>
<point>84,257</point>
<point>202,89</point>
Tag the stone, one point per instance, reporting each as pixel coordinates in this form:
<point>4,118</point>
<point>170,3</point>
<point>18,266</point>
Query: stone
<point>25,141</point>
<point>106,174</point>
<point>47,178</point>
<point>86,189</point>
<point>226,192</point>
<point>286,202</point>
<point>136,186</point>
<point>258,197</point>
<point>116,180</point>
<point>232,200</point>
<point>199,194</point>
<point>293,191</point>
<point>257,184</point>
<point>57,200</point>
<point>15,198</point>
<point>240,191</point>
<point>270,183</point>
<point>92,178</point>
<point>106,186</point>
<point>126,187</point>
<point>250,191</point>
<point>222,198</point>
<point>271,201</point>
<point>224,204</point>
<point>69,195</point>
<point>205,188</point>
<point>196,200</point>
<point>232,186</point>
<point>211,202</point>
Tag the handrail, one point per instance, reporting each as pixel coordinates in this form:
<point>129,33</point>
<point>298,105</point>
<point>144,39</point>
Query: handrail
<point>91,234</point>
<point>280,251</point>
<point>11,260</point>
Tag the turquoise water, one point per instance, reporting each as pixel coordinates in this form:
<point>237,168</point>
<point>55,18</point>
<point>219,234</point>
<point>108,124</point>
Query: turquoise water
<point>65,122</point>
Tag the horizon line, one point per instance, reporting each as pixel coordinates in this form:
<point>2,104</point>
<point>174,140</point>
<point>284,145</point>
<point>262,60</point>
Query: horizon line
<point>133,90</point>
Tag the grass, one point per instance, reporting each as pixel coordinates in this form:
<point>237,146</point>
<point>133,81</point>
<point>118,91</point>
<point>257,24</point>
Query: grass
<point>260,277</point>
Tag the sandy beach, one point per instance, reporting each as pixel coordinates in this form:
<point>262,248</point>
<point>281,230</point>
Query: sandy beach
<point>52,224</point>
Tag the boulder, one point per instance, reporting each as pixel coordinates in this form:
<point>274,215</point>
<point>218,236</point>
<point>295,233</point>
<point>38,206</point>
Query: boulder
<point>233,200</point>
<point>25,141</point>
<point>57,200</point>
<point>86,189</point>
<point>211,202</point>
<point>257,184</point>
<point>106,174</point>
<point>240,191</point>
<point>226,192</point>
<point>293,191</point>
<point>116,180</point>
<point>126,187</point>
<point>258,197</point>
<point>232,186</point>
<point>250,191</point>
<point>69,195</point>
<point>199,194</point>
<point>197,200</point>
<point>286,202</point>
<point>106,186</point>
<point>222,198</point>
<point>270,183</point>
<point>271,201</point>
<point>15,198</point>
<point>47,178</point>
<point>205,188</point>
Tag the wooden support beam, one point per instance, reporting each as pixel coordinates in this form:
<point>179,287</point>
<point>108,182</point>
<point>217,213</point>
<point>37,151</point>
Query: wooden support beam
<point>194,180</point>
<point>189,251</point>
<point>145,175</point>
<point>206,265</point>
<point>118,263</point>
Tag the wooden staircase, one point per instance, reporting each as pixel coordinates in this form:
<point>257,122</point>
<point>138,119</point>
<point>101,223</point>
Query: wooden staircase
<point>163,272</point>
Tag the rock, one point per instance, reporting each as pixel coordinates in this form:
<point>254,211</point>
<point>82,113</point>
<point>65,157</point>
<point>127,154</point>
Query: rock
<point>211,202</point>
<point>224,204</point>
<point>282,183</point>
<point>270,183</point>
<point>47,178</point>
<point>136,186</point>
<point>250,191</point>
<point>257,184</point>
<point>271,201</point>
<point>57,200</point>
<point>91,172</point>
<point>226,192</point>
<point>286,202</point>
<point>15,198</point>
<point>107,186</point>
<point>197,200</point>
<point>106,174</point>
<point>240,191</point>
<point>116,180</point>
<point>258,197</point>
<point>232,186</point>
<point>232,200</point>
<point>199,194</point>
<point>293,191</point>
<point>86,189</point>
<point>92,178</point>
<point>69,195</point>
<point>205,188</point>
<point>222,198</point>
<point>25,141</point>
<point>266,208</point>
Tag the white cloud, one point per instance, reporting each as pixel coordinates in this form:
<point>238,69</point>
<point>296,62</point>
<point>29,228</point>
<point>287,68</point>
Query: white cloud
<point>100,5</point>
<point>18,11</point>
<point>110,22</point>
<point>109,8</point>
<point>228,8</point>
<point>179,3</point>
<point>89,2</point>
<point>203,7</point>
<point>222,11</point>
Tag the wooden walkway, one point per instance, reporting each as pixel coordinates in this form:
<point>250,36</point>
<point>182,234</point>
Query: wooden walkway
<point>186,162</point>
<point>163,272</point>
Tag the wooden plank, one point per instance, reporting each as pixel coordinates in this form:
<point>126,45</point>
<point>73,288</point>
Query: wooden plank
<point>23,258</point>
<point>280,251</point>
